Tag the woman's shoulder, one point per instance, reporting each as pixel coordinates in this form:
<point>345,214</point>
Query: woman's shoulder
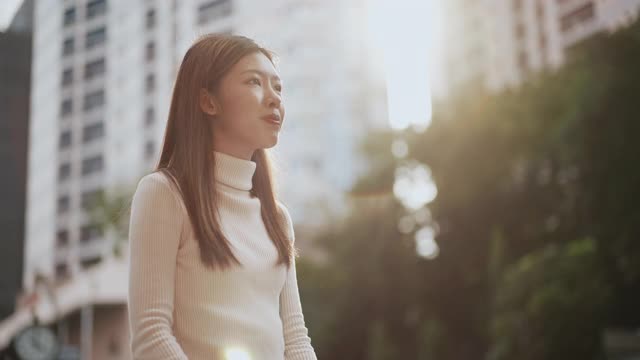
<point>158,185</point>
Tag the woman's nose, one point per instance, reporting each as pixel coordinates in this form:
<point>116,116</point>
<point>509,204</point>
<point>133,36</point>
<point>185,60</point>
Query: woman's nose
<point>274,98</point>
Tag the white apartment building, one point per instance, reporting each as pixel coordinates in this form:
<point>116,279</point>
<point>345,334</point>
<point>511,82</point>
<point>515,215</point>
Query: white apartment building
<point>500,42</point>
<point>103,73</point>
<point>102,77</point>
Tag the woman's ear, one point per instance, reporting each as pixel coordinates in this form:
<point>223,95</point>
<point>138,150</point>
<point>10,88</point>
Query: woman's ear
<point>207,103</point>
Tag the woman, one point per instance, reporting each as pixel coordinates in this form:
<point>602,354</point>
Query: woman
<point>212,257</point>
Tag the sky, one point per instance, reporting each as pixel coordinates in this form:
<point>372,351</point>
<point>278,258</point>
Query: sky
<point>7,10</point>
<point>409,32</point>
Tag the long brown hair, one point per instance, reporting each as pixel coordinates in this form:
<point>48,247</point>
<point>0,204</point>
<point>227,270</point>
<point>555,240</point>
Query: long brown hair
<point>187,157</point>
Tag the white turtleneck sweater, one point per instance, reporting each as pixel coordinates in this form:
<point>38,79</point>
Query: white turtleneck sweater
<point>179,309</point>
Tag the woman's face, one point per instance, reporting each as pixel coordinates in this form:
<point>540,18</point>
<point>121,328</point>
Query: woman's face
<point>248,95</point>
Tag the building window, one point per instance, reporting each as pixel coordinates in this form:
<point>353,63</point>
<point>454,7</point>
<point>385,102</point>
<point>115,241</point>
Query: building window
<point>90,232</point>
<point>149,148</point>
<point>65,139</point>
<point>517,5</point>
<point>151,19</point>
<point>90,199</point>
<point>95,8</point>
<point>67,46</point>
<point>92,132</point>
<point>62,237</point>
<point>63,203</point>
<point>88,262</point>
<point>64,171</point>
<point>67,77</point>
<point>69,16</point>
<point>92,165</point>
<point>62,270</point>
<point>150,83</point>
<point>93,100</point>
<point>520,31</point>
<point>578,16</point>
<point>213,10</point>
<point>95,37</point>
<point>149,117</point>
<point>94,68</point>
<point>523,61</point>
<point>150,52</point>
<point>66,107</point>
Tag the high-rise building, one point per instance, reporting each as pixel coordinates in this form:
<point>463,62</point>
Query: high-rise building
<point>15,71</point>
<point>102,79</point>
<point>501,42</point>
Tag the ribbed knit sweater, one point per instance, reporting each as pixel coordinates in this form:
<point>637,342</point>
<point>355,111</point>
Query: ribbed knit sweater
<point>179,309</point>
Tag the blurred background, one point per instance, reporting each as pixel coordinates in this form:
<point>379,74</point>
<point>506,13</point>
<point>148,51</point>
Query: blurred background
<point>463,175</point>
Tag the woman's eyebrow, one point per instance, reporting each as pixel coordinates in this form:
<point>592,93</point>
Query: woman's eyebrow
<point>262,73</point>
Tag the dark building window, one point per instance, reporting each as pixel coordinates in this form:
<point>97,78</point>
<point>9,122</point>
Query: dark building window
<point>92,165</point>
<point>88,262</point>
<point>94,68</point>
<point>149,148</point>
<point>212,10</point>
<point>69,16</point>
<point>89,199</point>
<point>523,61</point>
<point>67,46</point>
<point>90,232</point>
<point>64,171</point>
<point>520,30</point>
<point>580,15</point>
<point>150,52</point>
<point>95,8</point>
<point>93,100</point>
<point>151,18</point>
<point>67,77</point>
<point>150,83</point>
<point>517,5</point>
<point>63,203</point>
<point>62,270</point>
<point>66,107</point>
<point>62,237</point>
<point>95,37</point>
<point>65,139</point>
<point>92,132</point>
<point>149,117</point>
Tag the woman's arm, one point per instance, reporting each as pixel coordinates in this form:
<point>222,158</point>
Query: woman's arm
<point>296,340</point>
<point>154,236</point>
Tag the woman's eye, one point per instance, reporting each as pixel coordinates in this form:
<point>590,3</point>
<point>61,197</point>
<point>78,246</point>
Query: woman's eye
<point>256,81</point>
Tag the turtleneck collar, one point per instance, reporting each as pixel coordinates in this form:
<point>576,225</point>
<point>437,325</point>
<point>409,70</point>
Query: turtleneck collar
<point>234,172</point>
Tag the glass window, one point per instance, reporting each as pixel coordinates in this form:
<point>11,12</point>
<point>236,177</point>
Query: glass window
<point>64,171</point>
<point>93,100</point>
<point>151,18</point>
<point>92,165</point>
<point>94,68</point>
<point>66,107</point>
<point>65,139</point>
<point>95,8</point>
<point>149,117</point>
<point>69,16</point>
<point>150,52</point>
<point>92,132</point>
<point>95,37</point>
<point>89,199</point>
<point>67,46</point>
<point>67,77</point>
<point>212,10</point>
<point>63,203</point>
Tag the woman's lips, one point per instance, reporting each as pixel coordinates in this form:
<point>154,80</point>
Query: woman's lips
<point>272,119</point>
